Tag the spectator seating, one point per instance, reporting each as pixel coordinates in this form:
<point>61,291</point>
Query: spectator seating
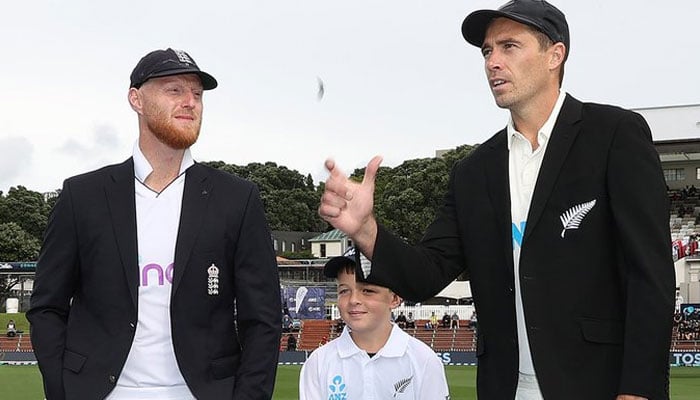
<point>685,215</point>
<point>312,332</point>
<point>440,339</point>
<point>9,344</point>
<point>19,343</point>
<point>283,340</point>
<point>444,339</point>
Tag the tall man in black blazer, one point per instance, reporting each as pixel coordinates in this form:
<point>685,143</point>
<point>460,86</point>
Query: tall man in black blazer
<point>560,220</point>
<point>157,278</point>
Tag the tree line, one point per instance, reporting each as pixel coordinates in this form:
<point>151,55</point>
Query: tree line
<point>406,199</point>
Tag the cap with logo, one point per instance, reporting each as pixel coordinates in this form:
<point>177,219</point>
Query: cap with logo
<point>351,257</point>
<point>536,13</point>
<point>159,63</point>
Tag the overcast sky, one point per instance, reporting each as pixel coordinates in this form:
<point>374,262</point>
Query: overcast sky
<point>400,80</point>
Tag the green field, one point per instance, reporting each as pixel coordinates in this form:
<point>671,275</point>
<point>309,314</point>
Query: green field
<point>24,382</point>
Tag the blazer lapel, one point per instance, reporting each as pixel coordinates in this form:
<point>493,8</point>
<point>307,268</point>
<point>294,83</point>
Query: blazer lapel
<point>121,200</point>
<point>499,192</point>
<point>563,136</point>
<point>194,205</point>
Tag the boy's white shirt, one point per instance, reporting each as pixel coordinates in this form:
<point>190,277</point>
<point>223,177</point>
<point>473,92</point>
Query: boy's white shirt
<point>405,368</point>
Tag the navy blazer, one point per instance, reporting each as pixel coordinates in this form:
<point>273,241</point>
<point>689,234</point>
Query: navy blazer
<point>84,304</point>
<point>598,300</point>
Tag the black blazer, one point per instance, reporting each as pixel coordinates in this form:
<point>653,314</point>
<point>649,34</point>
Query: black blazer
<point>84,303</point>
<point>598,300</point>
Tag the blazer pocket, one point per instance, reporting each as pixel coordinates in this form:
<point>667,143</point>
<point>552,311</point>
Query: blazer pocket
<point>480,345</point>
<point>224,367</point>
<point>602,331</point>
<point>73,361</point>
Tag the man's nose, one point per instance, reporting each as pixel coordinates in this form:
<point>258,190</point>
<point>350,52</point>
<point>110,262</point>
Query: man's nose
<point>493,61</point>
<point>190,99</point>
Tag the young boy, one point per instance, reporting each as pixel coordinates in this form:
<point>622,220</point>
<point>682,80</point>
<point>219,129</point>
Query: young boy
<point>373,358</point>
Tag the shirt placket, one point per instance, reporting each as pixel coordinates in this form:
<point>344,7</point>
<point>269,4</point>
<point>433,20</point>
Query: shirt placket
<point>368,375</point>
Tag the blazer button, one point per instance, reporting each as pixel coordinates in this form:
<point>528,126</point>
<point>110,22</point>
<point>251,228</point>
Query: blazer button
<point>132,325</point>
<point>112,379</point>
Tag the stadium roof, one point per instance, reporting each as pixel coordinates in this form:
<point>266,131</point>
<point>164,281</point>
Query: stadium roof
<point>678,149</point>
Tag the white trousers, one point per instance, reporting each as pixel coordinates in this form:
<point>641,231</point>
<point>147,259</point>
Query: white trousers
<point>528,389</point>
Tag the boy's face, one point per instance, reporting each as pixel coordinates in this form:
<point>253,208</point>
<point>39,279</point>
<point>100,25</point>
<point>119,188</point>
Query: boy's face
<point>363,306</point>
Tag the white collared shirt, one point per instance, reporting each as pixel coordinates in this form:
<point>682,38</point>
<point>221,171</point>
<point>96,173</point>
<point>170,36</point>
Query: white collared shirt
<point>151,370</point>
<point>523,169</point>
<point>405,368</point>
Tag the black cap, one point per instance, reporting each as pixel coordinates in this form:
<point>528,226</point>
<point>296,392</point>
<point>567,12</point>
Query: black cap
<point>537,13</point>
<point>351,257</point>
<point>168,62</point>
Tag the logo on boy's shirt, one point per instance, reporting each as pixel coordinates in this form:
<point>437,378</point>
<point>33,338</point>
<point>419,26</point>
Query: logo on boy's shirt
<point>401,385</point>
<point>337,388</point>
<point>162,275</point>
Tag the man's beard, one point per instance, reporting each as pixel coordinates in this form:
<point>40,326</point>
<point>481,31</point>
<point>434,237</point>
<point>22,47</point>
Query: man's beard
<point>165,131</point>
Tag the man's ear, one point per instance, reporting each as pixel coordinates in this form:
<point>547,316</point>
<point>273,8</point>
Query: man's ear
<point>135,100</point>
<point>557,55</point>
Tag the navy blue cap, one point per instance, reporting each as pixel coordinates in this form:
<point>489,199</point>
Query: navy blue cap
<point>168,62</point>
<point>352,258</point>
<point>536,13</point>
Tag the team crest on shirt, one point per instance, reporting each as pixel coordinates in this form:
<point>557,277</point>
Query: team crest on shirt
<point>337,389</point>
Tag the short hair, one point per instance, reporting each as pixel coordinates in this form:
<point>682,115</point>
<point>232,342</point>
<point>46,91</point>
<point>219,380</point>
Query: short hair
<point>545,43</point>
<point>348,268</point>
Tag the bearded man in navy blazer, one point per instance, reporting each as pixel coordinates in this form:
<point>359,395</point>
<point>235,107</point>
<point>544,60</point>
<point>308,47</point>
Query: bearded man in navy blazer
<point>560,220</point>
<point>157,278</point>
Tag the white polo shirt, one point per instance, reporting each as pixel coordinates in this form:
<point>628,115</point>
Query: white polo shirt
<point>405,368</point>
<point>151,370</point>
<point>523,168</point>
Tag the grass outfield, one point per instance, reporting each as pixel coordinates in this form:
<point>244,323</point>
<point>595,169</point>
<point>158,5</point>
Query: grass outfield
<point>24,382</point>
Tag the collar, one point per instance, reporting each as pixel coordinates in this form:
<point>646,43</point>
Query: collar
<point>395,346</point>
<point>545,131</point>
<point>142,168</point>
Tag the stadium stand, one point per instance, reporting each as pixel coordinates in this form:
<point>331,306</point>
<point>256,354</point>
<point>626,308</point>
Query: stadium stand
<point>19,343</point>
<point>440,339</point>
<point>283,340</point>
<point>686,332</point>
<point>9,344</point>
<point>313,332</point>
<point>444,339</point>
<point>684,220</point>
<point>24,344</point>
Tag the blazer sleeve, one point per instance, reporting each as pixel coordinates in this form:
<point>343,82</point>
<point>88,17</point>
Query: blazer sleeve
<point>54,285</point>
<point>421,271</point>
<point>639,204</point>
<point>258,304</point>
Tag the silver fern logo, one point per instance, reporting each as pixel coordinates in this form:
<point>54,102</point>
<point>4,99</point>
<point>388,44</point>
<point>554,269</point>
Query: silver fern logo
<point>400,386</point>
<point>571,219</point>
